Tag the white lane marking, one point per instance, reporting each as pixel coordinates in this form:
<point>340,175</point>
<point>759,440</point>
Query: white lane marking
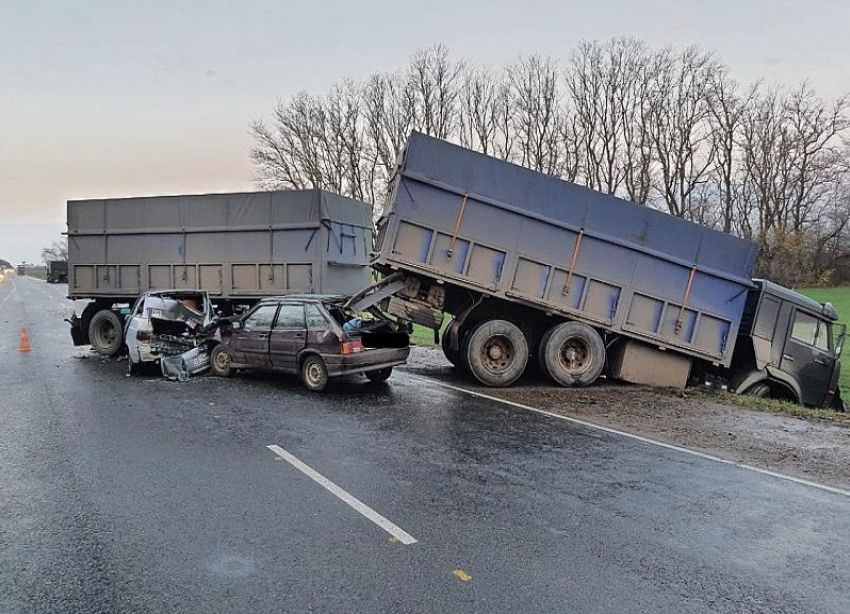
<point>647,440</point>
<point>10,295</point>
<point>358,505</point>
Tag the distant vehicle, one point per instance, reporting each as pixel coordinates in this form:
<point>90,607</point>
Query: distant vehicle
<point>20,270</point>
<point>57,272</point>
<point>532,268</point>
<point>312,336</point>
<point>237,248</point>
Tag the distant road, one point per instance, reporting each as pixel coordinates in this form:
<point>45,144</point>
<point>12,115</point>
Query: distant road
<point>133,494</point>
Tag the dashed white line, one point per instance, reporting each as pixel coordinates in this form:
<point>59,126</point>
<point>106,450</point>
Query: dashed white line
<point>647,440</point>
<point>365,510</point>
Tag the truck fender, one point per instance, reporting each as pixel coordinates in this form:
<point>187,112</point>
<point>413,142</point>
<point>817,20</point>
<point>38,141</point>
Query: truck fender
<point>789,382</point>
<point>769,374</point>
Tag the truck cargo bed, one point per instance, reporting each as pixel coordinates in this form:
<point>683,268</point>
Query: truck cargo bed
<point>477,222</point>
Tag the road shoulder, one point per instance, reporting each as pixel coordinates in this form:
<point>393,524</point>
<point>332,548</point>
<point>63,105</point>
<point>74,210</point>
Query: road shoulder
<point>809,449</point>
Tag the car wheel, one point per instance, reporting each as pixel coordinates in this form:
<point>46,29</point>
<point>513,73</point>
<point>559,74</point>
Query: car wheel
<point>572,354</point>
<point>133,368</point>
<point>221,360</point>
<point>379,375</point>
<point>314,373</point>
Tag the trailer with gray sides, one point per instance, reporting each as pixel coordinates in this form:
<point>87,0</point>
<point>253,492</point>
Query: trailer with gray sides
<point>237,248</point>
<point>533,268</point>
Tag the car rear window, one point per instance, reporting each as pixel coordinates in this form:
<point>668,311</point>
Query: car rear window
<point>315,318</point>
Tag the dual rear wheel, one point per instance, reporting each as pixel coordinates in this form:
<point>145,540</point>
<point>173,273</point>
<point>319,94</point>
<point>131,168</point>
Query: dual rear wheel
<point>496,353</point>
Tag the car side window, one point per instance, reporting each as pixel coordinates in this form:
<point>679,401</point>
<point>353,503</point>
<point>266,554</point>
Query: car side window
<point>810,331</point>
<point>261,318</point>
<point>290,316</point>
<point>316,319</point>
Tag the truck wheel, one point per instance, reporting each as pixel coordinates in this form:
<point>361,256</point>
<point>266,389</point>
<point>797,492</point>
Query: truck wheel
<point>314,373</point>
<point>496,353</point>
<point>759,390</point>
<point>106,334</point>
<point>220,361</point>
<point>380,375</point>
<point>572,354</point>
<point>453,356</point>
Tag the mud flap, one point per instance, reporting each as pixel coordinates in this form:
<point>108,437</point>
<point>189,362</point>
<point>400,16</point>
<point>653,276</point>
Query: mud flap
<point>76,329</point>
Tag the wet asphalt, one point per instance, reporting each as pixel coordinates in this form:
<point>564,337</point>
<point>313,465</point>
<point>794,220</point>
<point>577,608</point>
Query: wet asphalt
<point>136,494</point>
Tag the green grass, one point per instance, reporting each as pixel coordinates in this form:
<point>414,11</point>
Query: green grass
<point>425,336</point>
<point>840,299</point>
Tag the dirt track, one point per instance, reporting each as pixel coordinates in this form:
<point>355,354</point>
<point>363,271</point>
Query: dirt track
<point>807,448</point>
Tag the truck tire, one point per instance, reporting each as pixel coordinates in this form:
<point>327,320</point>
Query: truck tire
<point>453,356</point>
<point>572,354</point>
<point>495,352</point>
<point>759,390</point>
<point>106,334</point>
<point>221,360</point>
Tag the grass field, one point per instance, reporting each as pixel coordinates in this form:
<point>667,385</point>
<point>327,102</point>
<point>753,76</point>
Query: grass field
<point>840,299</point>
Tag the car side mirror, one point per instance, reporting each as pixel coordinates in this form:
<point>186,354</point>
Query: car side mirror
<point>236,325</point>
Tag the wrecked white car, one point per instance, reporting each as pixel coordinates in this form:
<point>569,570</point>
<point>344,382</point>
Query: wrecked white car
<point>172,328</point>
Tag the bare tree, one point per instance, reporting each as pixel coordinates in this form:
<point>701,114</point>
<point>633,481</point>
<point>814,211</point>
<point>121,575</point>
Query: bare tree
<point>535,98</point>
<point>435,81</point>
<point>681,133</point>
<point>390,115</point>
<point>726,110</point>
<point>58,250</point>
<point>481,95</point>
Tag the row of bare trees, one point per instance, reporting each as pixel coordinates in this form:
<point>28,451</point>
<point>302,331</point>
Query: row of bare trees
<point>668,128</point>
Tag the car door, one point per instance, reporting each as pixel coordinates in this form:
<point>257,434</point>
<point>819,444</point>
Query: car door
<point>289,336</point>
<point>808,358</point>
<point>249,344</point>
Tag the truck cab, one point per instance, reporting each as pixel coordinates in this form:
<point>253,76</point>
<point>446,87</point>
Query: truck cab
<point>789,346</point>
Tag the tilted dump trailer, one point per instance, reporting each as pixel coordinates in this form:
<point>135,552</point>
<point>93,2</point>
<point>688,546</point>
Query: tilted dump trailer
<point>531,266</point>
<point>238,248</point>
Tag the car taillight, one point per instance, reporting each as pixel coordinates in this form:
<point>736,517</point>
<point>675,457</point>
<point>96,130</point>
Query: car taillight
<point>142,335</point>
<point>350,347</point>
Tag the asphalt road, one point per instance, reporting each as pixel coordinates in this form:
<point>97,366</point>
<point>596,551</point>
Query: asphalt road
<point>135,494</point>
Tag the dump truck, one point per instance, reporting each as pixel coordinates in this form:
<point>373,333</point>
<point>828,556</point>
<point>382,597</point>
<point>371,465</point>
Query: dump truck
<point>533,269</point>
<point>236,248</point>
<point>57,272</point>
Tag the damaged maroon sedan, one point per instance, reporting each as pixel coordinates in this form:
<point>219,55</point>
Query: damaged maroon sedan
<point>313,336</point>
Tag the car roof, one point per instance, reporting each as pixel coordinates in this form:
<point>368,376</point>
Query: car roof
<point>174,292</point>
<point>307,298</point>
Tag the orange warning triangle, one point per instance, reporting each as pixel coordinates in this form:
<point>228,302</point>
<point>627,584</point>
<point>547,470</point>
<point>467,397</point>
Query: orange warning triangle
<point>25,341</point>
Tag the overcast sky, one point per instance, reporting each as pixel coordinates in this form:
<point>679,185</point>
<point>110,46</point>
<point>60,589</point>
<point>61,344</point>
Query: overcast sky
<point>123,98</point>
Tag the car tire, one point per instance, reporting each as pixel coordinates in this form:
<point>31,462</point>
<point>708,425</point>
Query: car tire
<point>496,353</point>
<point>380,375</point>
<point>572,354</point>
<point>106,334</point>
<point>221,360</point>
<point>314,373</point>
<point>133,368</point>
